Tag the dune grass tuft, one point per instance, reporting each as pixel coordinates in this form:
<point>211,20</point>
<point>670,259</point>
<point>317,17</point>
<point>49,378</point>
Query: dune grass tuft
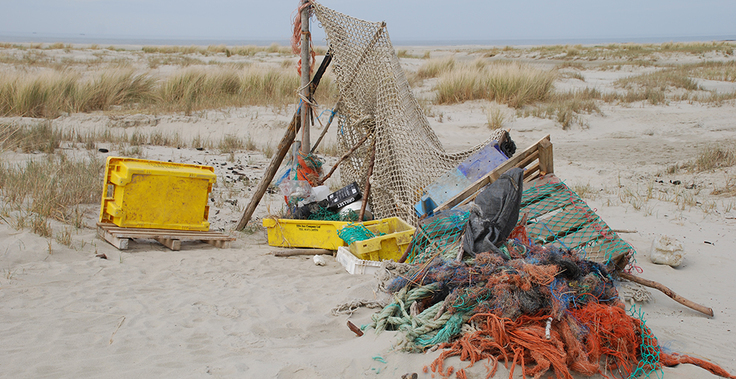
<point>714,156</point>
<point>513,84</point>
<point>436,67</point>
<point>566,107</point>
<point>52,187</point>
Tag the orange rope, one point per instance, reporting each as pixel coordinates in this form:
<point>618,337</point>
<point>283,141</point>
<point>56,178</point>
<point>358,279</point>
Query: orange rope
<point>671,360</point>
<point>594,339</point>
<point>296,39</point>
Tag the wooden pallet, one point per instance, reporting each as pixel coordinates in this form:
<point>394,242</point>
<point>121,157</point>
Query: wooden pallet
<point>119,237</point>
<point>536,160</point>
<point>557,216</point>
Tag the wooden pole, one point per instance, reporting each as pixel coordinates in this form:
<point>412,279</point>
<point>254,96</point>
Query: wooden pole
<point>305,76</point>
<point>281,150</point>
<point>295,252</point>
<point>668,292</point>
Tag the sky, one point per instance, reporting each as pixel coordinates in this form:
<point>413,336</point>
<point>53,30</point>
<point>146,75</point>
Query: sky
<point>407,20</point>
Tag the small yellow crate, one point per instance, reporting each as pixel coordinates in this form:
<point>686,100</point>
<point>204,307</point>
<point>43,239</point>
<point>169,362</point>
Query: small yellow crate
<point>397,235</point>
<point>304,233</point>
<point>139,193</point>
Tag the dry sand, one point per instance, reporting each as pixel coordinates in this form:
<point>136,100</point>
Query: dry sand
<point>243,313</point>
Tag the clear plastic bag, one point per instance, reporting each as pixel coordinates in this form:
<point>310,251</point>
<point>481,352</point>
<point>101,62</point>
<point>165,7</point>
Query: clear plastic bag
<point>297,192</point>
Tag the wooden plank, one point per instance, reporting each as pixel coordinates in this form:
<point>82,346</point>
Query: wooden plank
<point>559,224</point>
<point>473,189</point>
<point>220,244</point>
<point>533,169</point>
<point>542,207</point>
<point>532,194</point>
<point>598,253</point>
<point>163,233</point>
<point>119,237</point>
<point>531,178</point>
<point>546,164</point>
<point>172,244</point>
<point>531,158</point>
<point>582,236</point>
<point>119,243</point>
<point>187,237</point>
<point>547,179</point>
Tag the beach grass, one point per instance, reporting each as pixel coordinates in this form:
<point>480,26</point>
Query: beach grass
<point>514,84</point>
<point>714,156</point>
<point>566,107</point>
<point>632,51</point>
<point>435,67</point>
<point>51,93</point>
<point>51,187</point>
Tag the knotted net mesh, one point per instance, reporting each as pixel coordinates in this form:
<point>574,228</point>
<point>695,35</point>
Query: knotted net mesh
<point>375,98</point>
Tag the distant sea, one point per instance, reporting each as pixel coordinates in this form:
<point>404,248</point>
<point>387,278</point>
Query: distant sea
<point>112,40</point>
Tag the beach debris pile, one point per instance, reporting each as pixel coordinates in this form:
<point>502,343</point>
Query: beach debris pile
<point>538,308</point>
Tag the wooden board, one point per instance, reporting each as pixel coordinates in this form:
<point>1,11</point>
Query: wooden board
<point>119,237</point>
<point>566,221</point>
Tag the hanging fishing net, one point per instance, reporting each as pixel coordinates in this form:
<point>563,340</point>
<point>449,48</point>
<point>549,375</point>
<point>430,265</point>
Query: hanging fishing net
<point>375,98</point>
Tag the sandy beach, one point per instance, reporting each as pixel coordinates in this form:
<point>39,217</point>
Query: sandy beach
<point>240,312</point>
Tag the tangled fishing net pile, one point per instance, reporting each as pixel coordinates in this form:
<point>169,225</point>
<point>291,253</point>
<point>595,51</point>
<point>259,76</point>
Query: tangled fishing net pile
<point>533,308</point>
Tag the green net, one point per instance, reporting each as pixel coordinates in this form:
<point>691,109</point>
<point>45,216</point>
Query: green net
<point>356,232</point>
<point>557,215</point>
<point>438,235</point>
<point>648,349</point>
<point>324,214</point>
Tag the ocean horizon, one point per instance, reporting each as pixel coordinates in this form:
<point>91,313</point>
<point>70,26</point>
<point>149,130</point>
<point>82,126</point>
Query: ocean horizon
<point>119,40</point>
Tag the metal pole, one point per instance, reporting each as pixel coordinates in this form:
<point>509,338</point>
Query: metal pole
<point>305,77</point>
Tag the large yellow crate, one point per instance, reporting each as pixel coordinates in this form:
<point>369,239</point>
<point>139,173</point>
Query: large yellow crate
<point>139,193</point>
<point>304,233</point>
<point>397,235</point>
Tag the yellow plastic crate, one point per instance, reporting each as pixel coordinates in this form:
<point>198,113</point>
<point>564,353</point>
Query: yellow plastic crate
<point>139,193</point>
<point>304,233</point>
<point>397,237</point>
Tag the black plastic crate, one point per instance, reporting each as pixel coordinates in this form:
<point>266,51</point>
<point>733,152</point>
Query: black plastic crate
<point>344,196</point>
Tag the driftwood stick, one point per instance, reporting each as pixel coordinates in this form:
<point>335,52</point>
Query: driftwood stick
<point>281,151</point>
<point>367,190</point>
<point>342,158</point>
<point>668,292</point>
<point>406,254</point>
<point>329,122</point>
<point>295,252</point>
<point>625,230</point>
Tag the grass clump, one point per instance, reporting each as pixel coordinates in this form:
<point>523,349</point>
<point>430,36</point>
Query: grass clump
<point>41,137</point>
<point>714,156</point>
<point>660,79</point>
<point>566,107</point>
<point>495,118</point>
<point>436,67</point>
<point>513,84</point>
<point>231,144</point>
<point>631,51</point>
<point>51,188</point>
<point>217,49</point>
<point>115,87</point>
<point>722,71</point>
